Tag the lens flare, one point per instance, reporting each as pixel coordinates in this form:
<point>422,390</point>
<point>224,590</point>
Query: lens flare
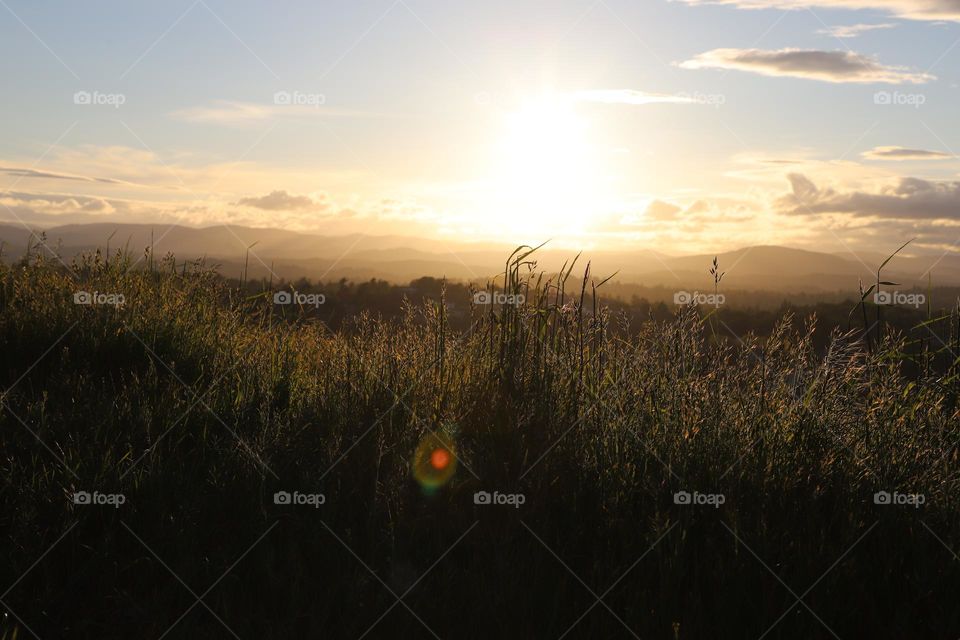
<point>434,461</point>
<point>439,459</point>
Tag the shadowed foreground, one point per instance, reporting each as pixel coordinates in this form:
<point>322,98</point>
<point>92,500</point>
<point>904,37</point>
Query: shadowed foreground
<point>194,406</point>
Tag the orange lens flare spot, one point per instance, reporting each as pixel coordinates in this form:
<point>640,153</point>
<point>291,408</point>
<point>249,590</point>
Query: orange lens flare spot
<point>434,461</point>
<point>440,458</point>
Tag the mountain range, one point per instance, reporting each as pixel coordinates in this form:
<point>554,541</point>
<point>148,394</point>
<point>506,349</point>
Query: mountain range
<point>399,259</point>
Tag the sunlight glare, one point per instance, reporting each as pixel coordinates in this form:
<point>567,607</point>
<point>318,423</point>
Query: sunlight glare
<point>546,177</point>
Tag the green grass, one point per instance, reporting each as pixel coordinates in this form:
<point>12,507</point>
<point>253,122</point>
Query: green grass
<point>197,403</point>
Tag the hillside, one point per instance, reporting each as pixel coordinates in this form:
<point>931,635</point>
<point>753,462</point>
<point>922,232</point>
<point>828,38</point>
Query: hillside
<point>399,259</point>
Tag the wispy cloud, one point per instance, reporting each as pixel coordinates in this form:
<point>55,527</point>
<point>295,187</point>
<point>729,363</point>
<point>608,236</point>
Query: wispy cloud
<point>901,153</point>
<point>53,175</point>
<point>231,113</point>
<point>854,30</point>
<point>827,66</point>
<point>225,112</point>
<point>914,9</point>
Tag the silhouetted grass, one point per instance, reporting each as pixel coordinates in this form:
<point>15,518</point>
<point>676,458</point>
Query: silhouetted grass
<point>198,403</point>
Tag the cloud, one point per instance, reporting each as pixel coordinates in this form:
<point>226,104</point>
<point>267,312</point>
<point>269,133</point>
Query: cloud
<point>913,9</point>
<point>660,210</point>
<point>907,199</point>
<point>54,208</point>
<point>853,30</point>
<point>780,161</point>
<point>693,218</point>
<point>59,203</point>
<point>900,153</point>
<point>720,209</point>
<point>828,66</point>
<point>47,209</point>
<point>225,112</point>
<point>198,189</point>
<point>630,96</point>
<point>281,201</point>
<point>52,175</point>
<point>238,114</point>
<point>177,175</point>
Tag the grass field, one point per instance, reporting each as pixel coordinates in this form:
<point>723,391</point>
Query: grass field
<point>188,408</point>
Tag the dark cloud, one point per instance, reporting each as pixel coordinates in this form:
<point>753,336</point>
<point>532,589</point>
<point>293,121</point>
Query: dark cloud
<point>828,66</point>
<point>910,198</point>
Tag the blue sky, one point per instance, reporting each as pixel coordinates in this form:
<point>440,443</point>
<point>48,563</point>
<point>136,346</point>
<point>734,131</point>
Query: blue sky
<point>675,124</point>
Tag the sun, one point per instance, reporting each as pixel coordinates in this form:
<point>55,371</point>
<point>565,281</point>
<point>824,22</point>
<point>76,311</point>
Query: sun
<point>545,176</point>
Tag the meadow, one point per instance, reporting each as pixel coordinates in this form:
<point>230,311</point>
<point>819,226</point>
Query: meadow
<point>551,471</point>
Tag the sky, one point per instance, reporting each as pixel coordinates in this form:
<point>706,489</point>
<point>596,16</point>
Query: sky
<point>680,125</point>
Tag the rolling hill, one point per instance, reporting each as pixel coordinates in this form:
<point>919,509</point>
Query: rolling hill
<point>399,259</point>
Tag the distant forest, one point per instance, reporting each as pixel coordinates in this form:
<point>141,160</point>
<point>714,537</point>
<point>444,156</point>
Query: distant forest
<point>742,312</point>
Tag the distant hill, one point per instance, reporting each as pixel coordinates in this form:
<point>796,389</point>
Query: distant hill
<point>292,255</point>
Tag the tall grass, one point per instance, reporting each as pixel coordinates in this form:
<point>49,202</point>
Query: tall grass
<point>197,402</point>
